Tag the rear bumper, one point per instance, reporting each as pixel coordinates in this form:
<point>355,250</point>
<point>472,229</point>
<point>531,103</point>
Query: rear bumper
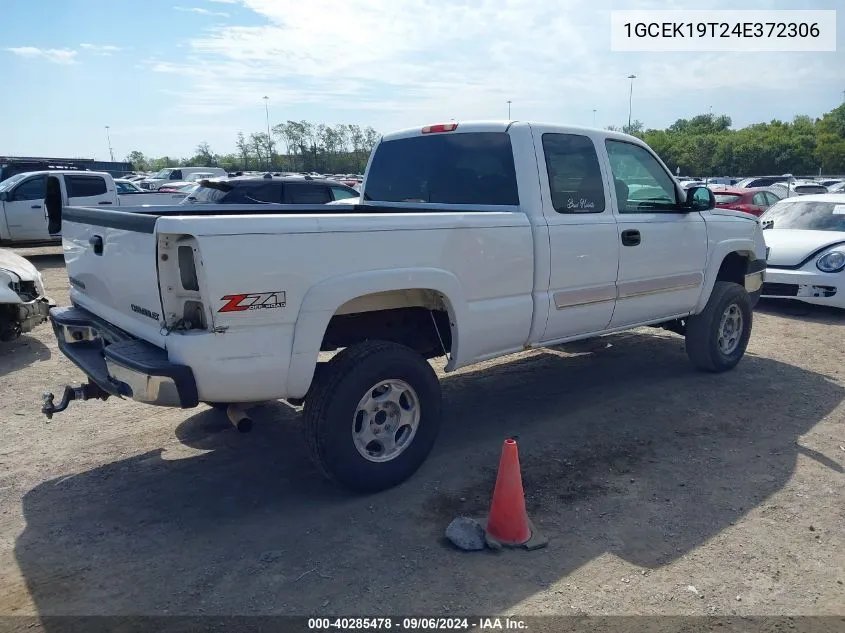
<point>120,364</point>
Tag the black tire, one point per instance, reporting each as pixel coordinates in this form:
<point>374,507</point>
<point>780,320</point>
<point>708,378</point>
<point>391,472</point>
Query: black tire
<point>702,336</point>
<point>331,407</point>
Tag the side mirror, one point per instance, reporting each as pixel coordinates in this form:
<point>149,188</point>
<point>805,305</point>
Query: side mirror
<point>4,196</point>
<point>700,199</point>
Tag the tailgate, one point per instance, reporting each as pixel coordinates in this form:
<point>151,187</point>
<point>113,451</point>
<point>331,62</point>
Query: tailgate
<point>111,265</point>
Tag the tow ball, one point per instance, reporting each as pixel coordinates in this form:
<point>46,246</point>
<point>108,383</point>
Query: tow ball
<point>88,391</point>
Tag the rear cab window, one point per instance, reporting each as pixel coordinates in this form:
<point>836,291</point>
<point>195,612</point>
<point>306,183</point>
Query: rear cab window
<point>575,179</point>
<point>449,168</point>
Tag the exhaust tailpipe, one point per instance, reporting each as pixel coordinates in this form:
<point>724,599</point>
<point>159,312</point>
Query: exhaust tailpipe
<point>239,418</point>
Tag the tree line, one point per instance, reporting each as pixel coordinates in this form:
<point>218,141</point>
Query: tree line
<point>704,145</point>
<point>292,146</point>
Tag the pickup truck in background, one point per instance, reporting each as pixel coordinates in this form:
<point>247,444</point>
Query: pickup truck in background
<point>23,200</point>
<point>473,241</point>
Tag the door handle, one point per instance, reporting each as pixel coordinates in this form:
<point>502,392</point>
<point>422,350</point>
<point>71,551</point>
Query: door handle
<point>104,203</point>
<point>35,206</point>
<point>631,237</point>
<point>96,243</point>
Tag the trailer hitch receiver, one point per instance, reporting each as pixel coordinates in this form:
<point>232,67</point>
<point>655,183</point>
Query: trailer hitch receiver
<point>87,391</point>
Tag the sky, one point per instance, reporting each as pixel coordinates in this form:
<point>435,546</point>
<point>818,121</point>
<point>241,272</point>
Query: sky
<point>165,75</point>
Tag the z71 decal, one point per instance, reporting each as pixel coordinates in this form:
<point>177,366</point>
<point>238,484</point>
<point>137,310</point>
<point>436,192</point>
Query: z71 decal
<point>253,301</point>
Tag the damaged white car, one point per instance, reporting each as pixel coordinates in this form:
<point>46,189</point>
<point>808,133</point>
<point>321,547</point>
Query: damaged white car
<point>23,304</point>
<point>806,240</point>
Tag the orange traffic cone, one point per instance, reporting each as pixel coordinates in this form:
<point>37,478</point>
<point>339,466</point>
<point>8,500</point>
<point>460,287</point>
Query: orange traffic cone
<point>508,523</point>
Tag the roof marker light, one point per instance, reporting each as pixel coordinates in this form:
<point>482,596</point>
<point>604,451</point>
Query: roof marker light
<point>440,127</point>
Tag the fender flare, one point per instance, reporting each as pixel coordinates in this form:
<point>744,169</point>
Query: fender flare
<point>324,299</point>
<point>743,246</point>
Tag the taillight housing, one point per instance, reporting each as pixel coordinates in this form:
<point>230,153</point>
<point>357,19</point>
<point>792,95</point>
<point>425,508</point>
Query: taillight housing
<point>181,284</point>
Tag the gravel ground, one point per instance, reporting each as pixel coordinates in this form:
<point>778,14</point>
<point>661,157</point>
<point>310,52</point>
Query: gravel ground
<point>662,490</point>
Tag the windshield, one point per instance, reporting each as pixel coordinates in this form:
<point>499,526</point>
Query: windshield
<point>727,198</point>
<point>11,182</point>
<point>164,173</point>
<point>800,214</point>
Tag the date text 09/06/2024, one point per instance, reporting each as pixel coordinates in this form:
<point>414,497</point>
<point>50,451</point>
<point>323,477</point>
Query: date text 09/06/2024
<point>417,624</point>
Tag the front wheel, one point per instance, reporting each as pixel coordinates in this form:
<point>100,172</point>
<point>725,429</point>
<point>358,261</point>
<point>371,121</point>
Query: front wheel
<point>372,415</point>
<point>717,338</point>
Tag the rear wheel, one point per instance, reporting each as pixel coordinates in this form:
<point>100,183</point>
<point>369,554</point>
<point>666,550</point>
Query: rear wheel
<point>717,338</point>
<point>372,415</point>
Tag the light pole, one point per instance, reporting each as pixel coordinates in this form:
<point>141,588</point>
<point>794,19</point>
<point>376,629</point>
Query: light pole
<point>108,138</point>
<point>630,100</point>
<point>269,141</point>
<point>594,117</point>
<point>509,109</point>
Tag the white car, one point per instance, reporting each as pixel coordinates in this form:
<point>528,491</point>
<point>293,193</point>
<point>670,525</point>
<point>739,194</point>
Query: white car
<point>23,304</point>
<point>476,240</point>
<point>806,240</point>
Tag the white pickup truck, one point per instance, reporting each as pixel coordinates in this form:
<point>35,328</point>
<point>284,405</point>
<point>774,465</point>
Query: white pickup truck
<point>473,241</point>
<point>23,198</point>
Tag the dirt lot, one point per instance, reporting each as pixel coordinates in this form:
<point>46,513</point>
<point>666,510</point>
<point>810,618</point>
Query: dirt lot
<point>650,479</point>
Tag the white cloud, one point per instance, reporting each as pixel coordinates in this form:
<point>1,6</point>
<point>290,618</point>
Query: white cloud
<point>55,55</point>
<point>400,61</point>
<point>100,49</point>
<point>202,11</point>
<point>225,1</point>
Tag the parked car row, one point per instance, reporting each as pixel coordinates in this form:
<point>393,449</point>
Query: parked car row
<point>169,176</point>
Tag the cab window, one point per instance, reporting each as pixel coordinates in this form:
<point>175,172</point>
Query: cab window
<point>575,179</point>
<point>32,189</point>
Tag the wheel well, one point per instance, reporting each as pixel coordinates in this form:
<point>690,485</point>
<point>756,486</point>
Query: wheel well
<point>733,268</point>
<point>417,318</point>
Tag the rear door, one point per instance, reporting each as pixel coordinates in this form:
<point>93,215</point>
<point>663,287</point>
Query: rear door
<point>582,234</point>
<point>25,210</point>
<point>110,258</point>
<point>89,190</point>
